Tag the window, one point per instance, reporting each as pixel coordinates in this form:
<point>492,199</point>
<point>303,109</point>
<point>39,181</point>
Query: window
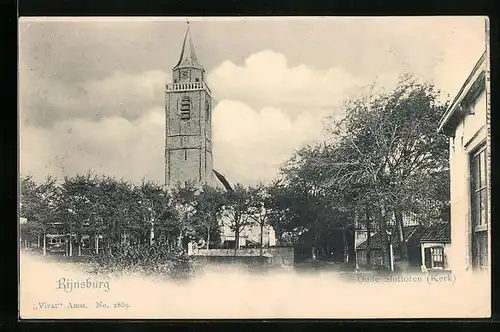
<point>196,79</point>
<point>437,254</point>
<point>362,257</point>
<point>55,241</point>
<point>185,110</point>
<point>207,110</point>
<point>377,257</point>
<point>479,199</point>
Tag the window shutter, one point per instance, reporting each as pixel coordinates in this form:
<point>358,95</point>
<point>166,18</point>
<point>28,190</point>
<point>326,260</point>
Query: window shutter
<point>185,108</point>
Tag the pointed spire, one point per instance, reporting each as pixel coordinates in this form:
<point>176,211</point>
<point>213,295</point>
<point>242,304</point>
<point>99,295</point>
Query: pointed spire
<point>188,55</point>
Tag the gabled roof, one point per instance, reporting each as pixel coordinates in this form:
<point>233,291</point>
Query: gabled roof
<point>377,241</point>
<point>474,83</point>
<point>188,57</point>
<point>437,233</point>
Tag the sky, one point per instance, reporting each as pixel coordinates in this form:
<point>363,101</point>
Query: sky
<point>91,90</point>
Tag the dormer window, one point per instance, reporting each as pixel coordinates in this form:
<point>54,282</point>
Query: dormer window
<point>185,111</point>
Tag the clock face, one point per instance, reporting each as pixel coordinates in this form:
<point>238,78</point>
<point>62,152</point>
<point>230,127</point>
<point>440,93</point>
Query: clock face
<point>185,74</point>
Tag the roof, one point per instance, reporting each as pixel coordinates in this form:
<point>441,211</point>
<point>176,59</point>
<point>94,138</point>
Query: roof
<point>437,233</point>
<point>223,180</point>
<point>377,241</point>
<point>188,57</point>
<point>474,82</point>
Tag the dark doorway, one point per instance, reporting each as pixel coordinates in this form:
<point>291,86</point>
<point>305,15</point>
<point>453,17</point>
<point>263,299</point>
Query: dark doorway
<point>229,244</point>
<point>428,258</point>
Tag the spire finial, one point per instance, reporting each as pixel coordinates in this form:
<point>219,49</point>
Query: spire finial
<point>188,55</point>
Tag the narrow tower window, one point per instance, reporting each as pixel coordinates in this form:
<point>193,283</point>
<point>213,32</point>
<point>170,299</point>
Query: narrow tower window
<point>207,110</point>
<point>186,108</point>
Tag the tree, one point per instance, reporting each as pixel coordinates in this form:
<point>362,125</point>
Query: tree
<point>236,209</point>
<point>381,161</point>
<point>259,210</point>
<point>84,206</point>
<point>40,206</point>
<point>152,211</point>
<point>75,209</point>
<point>282,216</point>
<point>184,198</point>
<point>208,208</point>
<point>116,197</point>
<point>385,145</point>
<point>311,203</point>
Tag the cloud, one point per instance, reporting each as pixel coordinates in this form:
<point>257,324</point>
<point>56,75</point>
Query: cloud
<point>266,79</point>
<point>250,145</point>
<point>47,100</point>
<point>113,145</point>
<point>115,125</point>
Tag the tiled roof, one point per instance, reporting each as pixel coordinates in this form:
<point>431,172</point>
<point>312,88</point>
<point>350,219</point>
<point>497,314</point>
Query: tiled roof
<point>437,233</point>
<point>414,239</point>
<point>377,241</point>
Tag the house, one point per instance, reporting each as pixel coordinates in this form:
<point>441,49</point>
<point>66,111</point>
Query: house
<point>376,245</point>
<point>54,242</point>
<point>249,236</point>
<point>466,123</point>
<point>361,231</point>
<point>434,246</point>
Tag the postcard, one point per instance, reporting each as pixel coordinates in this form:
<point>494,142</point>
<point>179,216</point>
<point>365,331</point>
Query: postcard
<point>254,167</point>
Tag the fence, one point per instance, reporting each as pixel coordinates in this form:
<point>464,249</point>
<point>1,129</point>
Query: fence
<point>283,256</point>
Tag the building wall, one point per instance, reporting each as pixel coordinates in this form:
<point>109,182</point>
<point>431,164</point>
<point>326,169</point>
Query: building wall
<point>488,129</point>
<point>446,252</point>
<point>468,136</point>
<point>361,236</point>
<point>376,257</point>
<point>250,232</point>
<point>188,146</point>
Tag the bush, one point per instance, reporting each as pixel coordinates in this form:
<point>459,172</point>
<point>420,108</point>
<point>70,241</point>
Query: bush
<point>154,260</point>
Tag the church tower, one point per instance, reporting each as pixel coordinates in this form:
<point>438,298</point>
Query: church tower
<point>188,144</point>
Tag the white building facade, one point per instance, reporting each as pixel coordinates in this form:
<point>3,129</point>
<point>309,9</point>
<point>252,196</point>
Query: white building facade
<point>466,122</point>
<point>250,235</point>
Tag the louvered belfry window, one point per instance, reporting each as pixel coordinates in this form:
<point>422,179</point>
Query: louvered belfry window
<point>185,108</point>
